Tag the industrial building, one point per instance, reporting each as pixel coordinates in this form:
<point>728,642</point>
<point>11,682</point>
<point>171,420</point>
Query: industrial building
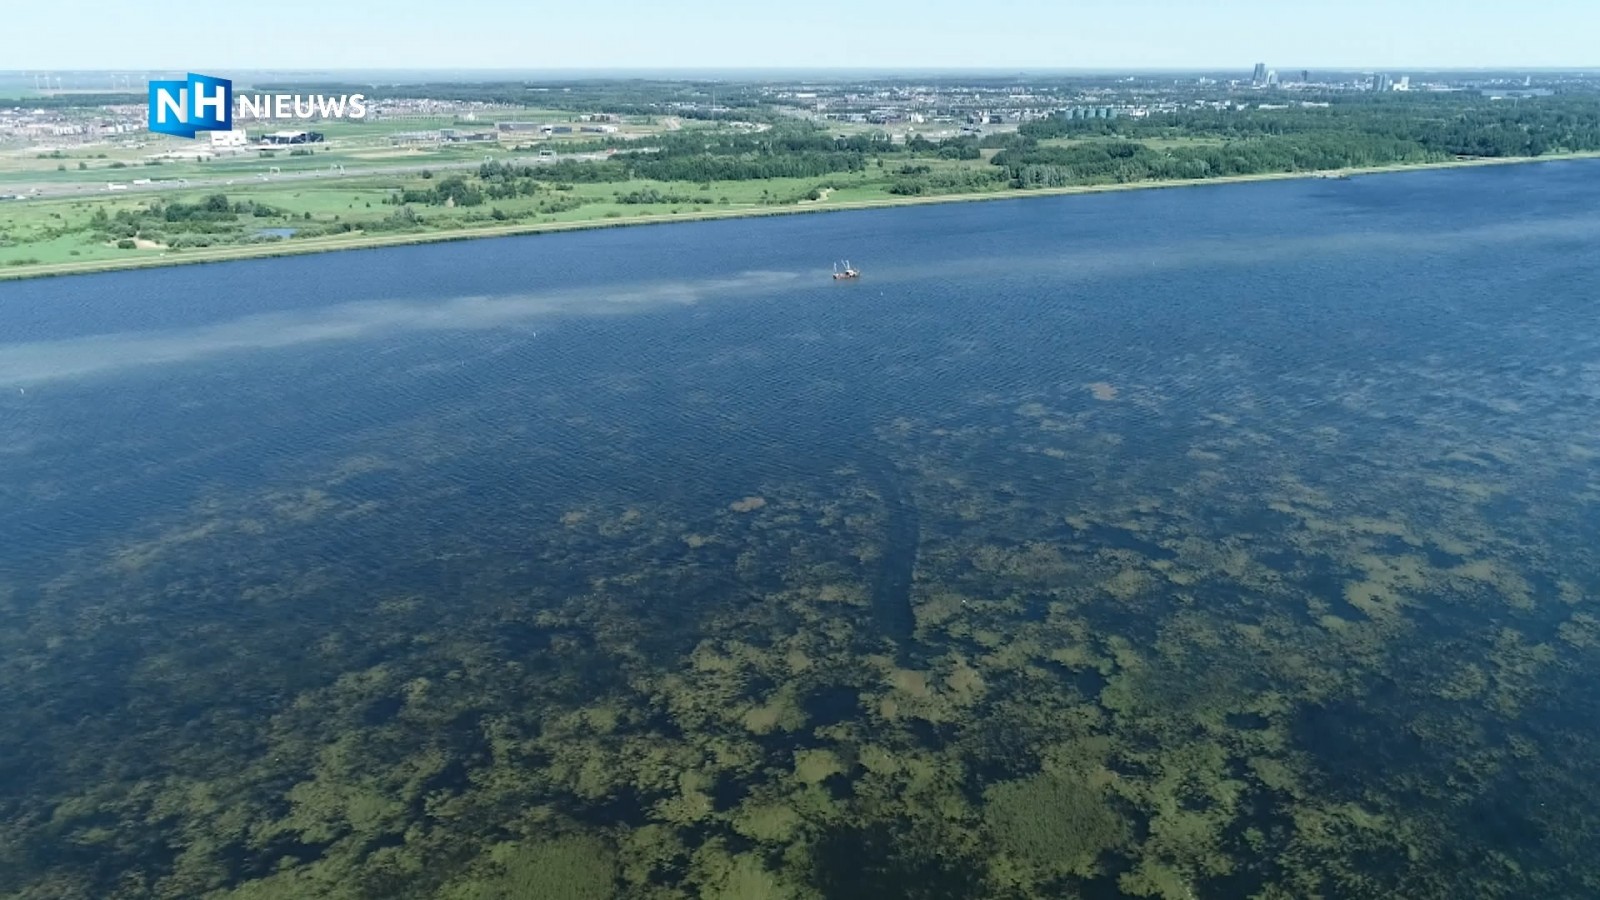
<point>456,136</point>
<point>287,138</point>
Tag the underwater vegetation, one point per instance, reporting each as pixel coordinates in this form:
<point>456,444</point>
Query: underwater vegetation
<point>1280,657</point>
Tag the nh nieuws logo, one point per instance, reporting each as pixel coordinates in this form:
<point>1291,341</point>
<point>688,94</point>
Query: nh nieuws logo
<point>185,108</point>
<point>203,103</point>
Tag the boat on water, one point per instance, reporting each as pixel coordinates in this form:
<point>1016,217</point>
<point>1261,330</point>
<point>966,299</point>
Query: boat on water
<point>845,274</point>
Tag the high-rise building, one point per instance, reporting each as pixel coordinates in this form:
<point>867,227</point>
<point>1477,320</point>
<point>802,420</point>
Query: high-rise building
<point>1260,76</point>
<point>1305,76</point>
<point>1272,78</point>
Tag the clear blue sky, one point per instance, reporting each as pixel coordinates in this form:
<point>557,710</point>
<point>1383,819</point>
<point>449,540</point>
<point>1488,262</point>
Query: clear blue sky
<point>542,34</point>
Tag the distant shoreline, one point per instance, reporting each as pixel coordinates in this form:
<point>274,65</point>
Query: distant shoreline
<point>357,241</point>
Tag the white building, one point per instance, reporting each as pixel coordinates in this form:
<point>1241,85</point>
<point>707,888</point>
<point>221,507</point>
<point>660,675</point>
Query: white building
<point>234,138</point>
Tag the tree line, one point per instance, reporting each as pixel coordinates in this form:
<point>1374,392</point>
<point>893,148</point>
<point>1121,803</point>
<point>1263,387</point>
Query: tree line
<point>1447,124</point>
<point>1349,134</point>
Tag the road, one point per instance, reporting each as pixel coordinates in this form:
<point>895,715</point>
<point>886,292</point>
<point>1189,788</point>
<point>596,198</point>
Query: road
<point>78,189</point>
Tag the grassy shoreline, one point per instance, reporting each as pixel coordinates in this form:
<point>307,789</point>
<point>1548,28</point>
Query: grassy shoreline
<point>357,241</point>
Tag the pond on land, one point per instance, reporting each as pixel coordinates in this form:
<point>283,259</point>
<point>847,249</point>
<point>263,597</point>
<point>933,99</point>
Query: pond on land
<point>1232,541</point>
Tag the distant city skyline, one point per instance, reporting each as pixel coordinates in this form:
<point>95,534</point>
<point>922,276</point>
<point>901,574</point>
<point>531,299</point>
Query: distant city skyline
<point>866,34</point>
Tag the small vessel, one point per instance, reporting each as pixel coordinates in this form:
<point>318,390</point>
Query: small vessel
<point>846,273</point>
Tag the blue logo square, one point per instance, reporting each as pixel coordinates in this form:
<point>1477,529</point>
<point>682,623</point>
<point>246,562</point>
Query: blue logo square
<point>185,108</point>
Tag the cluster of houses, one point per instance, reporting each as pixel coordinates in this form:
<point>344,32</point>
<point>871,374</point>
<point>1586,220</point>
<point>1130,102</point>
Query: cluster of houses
<point>69,126</point>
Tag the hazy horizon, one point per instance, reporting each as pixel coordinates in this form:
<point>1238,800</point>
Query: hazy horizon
<point>871,35</point>
<point>21,83</point>
<point>805,70</point>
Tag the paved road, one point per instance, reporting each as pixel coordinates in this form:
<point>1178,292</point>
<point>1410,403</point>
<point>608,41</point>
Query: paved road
<point>57,191</point>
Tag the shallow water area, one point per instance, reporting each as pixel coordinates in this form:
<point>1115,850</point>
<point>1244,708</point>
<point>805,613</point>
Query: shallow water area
<point>1236,541</point>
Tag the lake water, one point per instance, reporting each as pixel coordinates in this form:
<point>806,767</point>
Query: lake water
<point>1209,543</point>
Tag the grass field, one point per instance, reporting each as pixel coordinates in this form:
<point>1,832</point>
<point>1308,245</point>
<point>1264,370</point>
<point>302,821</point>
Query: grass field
<point>54,232</point>
<point>354,145</point>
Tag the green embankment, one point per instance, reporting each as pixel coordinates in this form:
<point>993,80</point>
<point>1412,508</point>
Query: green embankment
<point>60,237</point>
